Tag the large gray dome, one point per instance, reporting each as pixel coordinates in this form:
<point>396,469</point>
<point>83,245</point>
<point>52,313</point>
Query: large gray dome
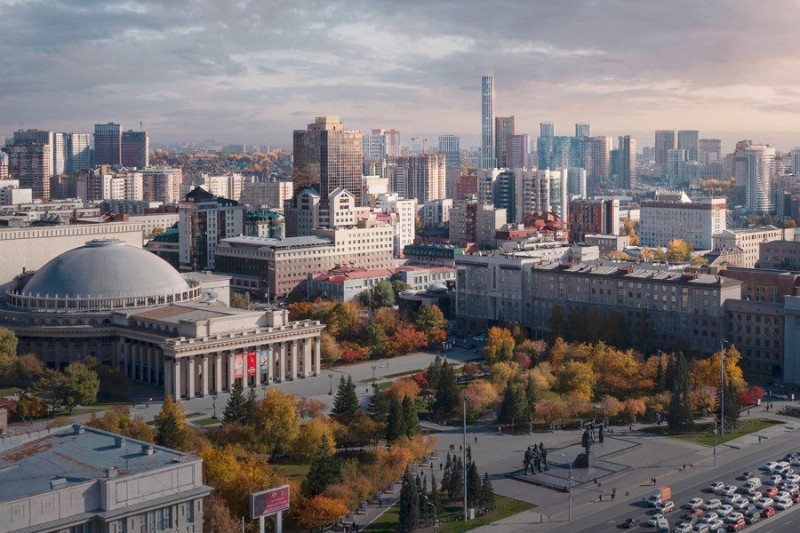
<point>105,274</point>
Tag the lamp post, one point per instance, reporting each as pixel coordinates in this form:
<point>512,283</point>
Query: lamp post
<point>464,453</point>
<point>330,390</point>
<point>569,463</point>
<point>715,444</point>
<point>373,373</point>
<point>214,397</point>
<point>435,515</point>
<point>722,388</point>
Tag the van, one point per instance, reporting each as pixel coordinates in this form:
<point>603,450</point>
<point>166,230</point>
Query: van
<point>662,526</point>
<point>752,484</point>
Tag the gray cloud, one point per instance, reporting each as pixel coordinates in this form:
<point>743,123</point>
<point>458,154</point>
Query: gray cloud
<point>254,70</point>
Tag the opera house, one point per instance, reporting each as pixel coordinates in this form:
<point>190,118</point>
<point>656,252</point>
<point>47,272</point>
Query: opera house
<point>133,311</point>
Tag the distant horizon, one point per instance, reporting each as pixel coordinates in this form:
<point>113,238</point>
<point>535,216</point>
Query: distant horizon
<point>254,72</point>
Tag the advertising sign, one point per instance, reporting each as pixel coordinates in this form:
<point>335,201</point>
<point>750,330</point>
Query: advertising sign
<point>263,356</point>
<point>251,363</point>
<point>269,502</point>
<point>238,365</point>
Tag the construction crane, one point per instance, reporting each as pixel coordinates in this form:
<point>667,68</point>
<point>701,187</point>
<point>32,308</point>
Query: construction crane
<point>423,139</point>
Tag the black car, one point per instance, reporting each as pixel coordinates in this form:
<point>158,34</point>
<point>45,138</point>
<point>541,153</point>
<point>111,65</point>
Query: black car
<point>745,476</point>
<point>689,517</point>
<point>752,518</point>
<point>629,523</point>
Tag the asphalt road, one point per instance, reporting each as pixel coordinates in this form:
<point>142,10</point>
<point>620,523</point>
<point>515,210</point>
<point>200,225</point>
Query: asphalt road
<point>691,483</point>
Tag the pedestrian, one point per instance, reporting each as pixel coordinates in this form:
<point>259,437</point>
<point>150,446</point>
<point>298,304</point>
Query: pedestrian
<point>476,440</point>
<point>684,466</point>
<point>613,495</point>
<point>654,481</point>
<point>441,466</point>
<point>595,481</point>
<point>630,428</point>
<point>601,497</point>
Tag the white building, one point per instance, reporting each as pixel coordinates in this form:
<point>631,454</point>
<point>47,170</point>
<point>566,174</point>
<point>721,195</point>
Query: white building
<point>403,220</point>
<point>748,240</point>
<point>227,186</point>
<point>674,216</point>
<point>437,212</point>
<point>759,176</point>
<point>576,182</point>
<point>272,193</point>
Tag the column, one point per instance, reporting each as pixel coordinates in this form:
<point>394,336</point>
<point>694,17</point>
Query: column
<point>306,357</point>
<point>270,368</point>
<point>192,372</point>
<point>150,360</point>
<point>294,360</point>
<point>176,375</point>
<point>230,355</point>
<point>169,383</point>
<point>204,378</point>
<point>317,357</point>
<point>217,373</point>
<point>282,363</point>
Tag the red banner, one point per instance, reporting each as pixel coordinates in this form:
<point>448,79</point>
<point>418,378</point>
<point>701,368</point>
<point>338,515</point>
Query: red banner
<point>251,363</point>
<point>238,365</point>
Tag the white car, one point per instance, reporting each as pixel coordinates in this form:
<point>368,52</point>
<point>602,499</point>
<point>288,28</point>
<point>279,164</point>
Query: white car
<point>792,489</point>
<point>653,520</point>
<point>709,517</point>
<point>774,480</point>
<point>763,503</point>
<point>724,510</point>
<point>716,525</point>
<point>728,490</point>
<point>733,498</point>
<point>682,527</point>
<point>694,503</point>
<point>733,518</point>
<point>782,496</point>
<point>716,486</point>
<point>755,496</point>
<point>741,504</point>
<point>783,504</point>
<point>713,503</point>
<point>793,478</point>
<point>665,506</point>
<point>769,466</point>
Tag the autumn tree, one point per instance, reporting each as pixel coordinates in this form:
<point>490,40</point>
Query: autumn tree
<point>18,370</point>
<point>316,512</point>
<point>240,300</point>
<point>325,469</point>
<point>170,424</point>
<point>277,423</point>
<point>678,251</point>
<point>481,396</point>
<point>629,229</point>
<point>577,377</point>
<point>310,436</point>
<point>118,419</point>
<point>345,403</point>
<point>499,346</point>
<point>344,321</point>
<point>310,408</point>
<point>329,351</point>
<point>217,517</point>
<point>431,321</point>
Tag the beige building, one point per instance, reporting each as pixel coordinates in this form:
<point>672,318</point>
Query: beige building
<point>748,240</point>
<point>672,215</point>
<point>272,193</point>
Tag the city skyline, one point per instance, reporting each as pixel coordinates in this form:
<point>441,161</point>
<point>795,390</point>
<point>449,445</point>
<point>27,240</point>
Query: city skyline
<point>255,72</point>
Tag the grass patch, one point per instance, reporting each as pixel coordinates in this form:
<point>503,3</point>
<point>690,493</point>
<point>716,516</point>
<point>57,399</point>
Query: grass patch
<point>389,521</point>
<point>9,391</point>
<point>206,421</point>
<point>295,471</point>
<point>704,432</point>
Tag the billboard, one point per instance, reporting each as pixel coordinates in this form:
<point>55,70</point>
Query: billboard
<point>251,363</point>
<point>238,365</point>
<point>269,502</point>
<point>263,356</point>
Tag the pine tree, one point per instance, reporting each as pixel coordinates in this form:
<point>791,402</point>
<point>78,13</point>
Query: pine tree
<point>513,407</point>
<point>448,471</point>
<point>531,391</point>
<point>435,496</point>
<point>410,419</point>
<point>409,503</point>
<point>325,469</point>
<point>378,406</point>
<point>487,492</point>
<point>170,424</point>
<point>250,407</point>
<point>455,489</point>
<point>679,416</point>
<point>473,485</point>
<point>661,377</point>
<point>345,403</point>
<point>434,372</point>
<point>731,406</point>
<point>395,421</point>
<point>446,397</point>
<point>235,410</point>
<point>669,375</point>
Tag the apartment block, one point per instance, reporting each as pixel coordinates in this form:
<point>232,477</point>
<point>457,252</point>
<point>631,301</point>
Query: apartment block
<point>672,215</point>
<point>749,240</point>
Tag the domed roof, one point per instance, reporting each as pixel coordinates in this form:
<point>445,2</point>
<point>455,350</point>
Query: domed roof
<point>106,268</point>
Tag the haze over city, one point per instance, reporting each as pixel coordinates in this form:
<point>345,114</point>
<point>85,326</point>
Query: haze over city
<point>254,71</point>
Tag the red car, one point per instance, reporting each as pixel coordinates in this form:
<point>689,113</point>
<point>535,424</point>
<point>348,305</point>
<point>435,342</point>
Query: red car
<point>769,511</point>
<point>796,498</point>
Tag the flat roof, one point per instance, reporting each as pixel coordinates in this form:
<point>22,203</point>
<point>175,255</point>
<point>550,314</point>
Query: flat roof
<point>176,313</point>
<point>73,458</point>
<point>271,242</point>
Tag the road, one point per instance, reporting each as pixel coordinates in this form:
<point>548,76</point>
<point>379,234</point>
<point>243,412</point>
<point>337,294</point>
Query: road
<point>691,482</point>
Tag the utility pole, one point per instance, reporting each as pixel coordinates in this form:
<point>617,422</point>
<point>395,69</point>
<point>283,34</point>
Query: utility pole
<point>569,463</point>
<point>464,454</point>
<point>721,388</point>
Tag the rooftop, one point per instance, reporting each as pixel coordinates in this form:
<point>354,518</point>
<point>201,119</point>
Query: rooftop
<point>270,242</point>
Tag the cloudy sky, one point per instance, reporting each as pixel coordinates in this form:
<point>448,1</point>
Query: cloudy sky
<point>252,71</point>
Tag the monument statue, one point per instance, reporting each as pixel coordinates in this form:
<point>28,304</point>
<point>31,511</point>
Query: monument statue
<point>586,441</point>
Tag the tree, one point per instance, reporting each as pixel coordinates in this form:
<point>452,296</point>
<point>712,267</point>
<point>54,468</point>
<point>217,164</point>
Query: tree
<point>113,383</point>
<point>473,485</point>
<point>319,511</point>
<point>217,518</point>
<point>487,492</point>
<point>277,422</point>
<point>399,286</point>
<point>118,419</point>
<point>431,321</point>
<point>236,409</point>
<point>679,416</point>
<point>325,469</point>
<point>395,422</point>
<point>577,377</point>
<point>170,424</point>
<point>77,385</point>
<point>455,488</point>
<point>240,300</point>
<point>310,436</point>
<point>329,351</point>
<point>629,229</point>
<point>481,396</point>
<point>499,346</point>
<point>379,404</point>
<point>383,294</point>
<point>731,406</point>
<point>678,251</point>
<point>557,322</point>
<point>446,396</point>
<point>8,342</point>
<point>376,340</point>
<point>345,403</point>
<point>410,419</point>
<point>513,407</point>
<point>344,321</point>
<point>409,503</point>
<point>310,408</point>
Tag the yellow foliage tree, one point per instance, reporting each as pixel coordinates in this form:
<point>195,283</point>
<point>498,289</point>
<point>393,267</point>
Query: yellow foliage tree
<point>402,388</point>
<point>318,511</point>
<point>678,251</point>
<point>480,397</point>
<point>634,407</point>
<point>277,422</point>
<point>310,436</point>
<point>544,377</point>
<point>501,372</point>
<point>499,346</point>
<point>611,406</point>
<point>575,377</point>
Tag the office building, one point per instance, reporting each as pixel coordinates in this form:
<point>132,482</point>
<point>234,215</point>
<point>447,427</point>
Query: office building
<point>709,151</point>
<point>759,178</point>
<point>205,220</point>
<point>3,166</point>
<point>503,129</point>
<point>226,185</point>
<point>421,177</point>
<point>672,215</point>
<point>30,163</point>
<point>392,137</point>
<point>517,148</point>
<point>329,155</point>
<point>675,171</point>
<point>598,170</point>
<point>161,184</point>
<point>436,213</point>
<point>108,484</point>
<point>135,149</point>
<point>689,140</point>
<point>107,144</point>
<point>665,141</point>
<point>374,147</point>
<point>78,148</point>
<point>576,182</point>
<point>402,214</point>
<point>627,162</point>
<point>272,193</point>
<point>488,158</point>
<point>749,241</point>
<point>583,130</point>
<point>464,221</point>
<point>546,129</point>
<point>592,217</point>
<point>450,146</point>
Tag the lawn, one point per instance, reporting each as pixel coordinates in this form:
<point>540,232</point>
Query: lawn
<point>8,391</point>
<point>210,421</point>
<point>704,433</point>
<point>295,471</point>
<point>389,521</point>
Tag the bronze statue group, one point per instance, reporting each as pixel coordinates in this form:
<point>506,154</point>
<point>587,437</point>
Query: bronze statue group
<point>535,459</point>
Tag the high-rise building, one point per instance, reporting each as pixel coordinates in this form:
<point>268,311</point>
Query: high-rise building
<point>488,157</point>
<point>593,217</point>
<point>32,136</point>
<point>517,148</point>
<point>450,146</point>
<point>328,154</point>
<point>503,128</point>
<point>759,178</point>
<point>546,129</point>
<point>599,165</point>
<point>135,149</point>
<point>107,144</point>
<point>374,146</point>
<point>689,140</point>
<point>709,151</point>
<point>161,184</point>
<point>675,171</point>
<point>627,162</point>
<point>583,130</point>
<point>796,161</point>
<point>576,182</point>
<point>78,150</point>
<point>30,163</point>
<point>421,177</point>
<point>665,141</point>
<point>204,220</point>
<point>392,141</point>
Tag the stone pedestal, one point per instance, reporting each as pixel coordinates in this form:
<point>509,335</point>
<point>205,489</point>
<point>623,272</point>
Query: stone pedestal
<point>585,461</point>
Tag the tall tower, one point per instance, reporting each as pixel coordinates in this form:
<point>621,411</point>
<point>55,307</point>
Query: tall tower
<point>759,177</point>
<point>488,158</point>
<point>503,128</point>
<point>583,130</point>
<point>107,144</point>
<point>689,140</point>
<point>135,149</point>
<point>627,162</point>
<point>450,146</point>
<point>665,141</point>
<point>599,162</point>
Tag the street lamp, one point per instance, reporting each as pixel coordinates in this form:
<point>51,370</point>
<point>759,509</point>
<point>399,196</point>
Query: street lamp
<point>330,390</point>
<point>464,452</point>
<point>715,444</point>
<point>435,516</point>
<point>214,397</point>
<point>722,387</point>
<point>569,463</point>
<point>373,373</point>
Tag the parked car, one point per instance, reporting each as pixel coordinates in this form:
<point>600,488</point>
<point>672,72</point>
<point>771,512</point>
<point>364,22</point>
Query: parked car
<point>716,486</point>
<point>713,503</point>
<point>666,506</point>
<point>764,503</point>
<point>629,523</point>
<point>709,517</point>
<point>716,525</point>
<point>733,498</point>
<point>784,504</point>
<point>733,517</point>
<point>653,520</point>
<point>752,518</point>
<point>682,527</point>
<point>724,510</point>
<point>736,526</point>
<point>769,466</point>
<point>769,511</point>
<point>774,480</point>
<point>741,504</point>
<point>769,492</point>
<point>701,527</point>
<point>728,490</point>
<point>694,503</point>
<point>744,476</point>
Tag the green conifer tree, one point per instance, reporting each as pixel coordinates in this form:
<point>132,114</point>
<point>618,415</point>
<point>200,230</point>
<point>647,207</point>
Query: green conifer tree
<point>345,403</point>
<point>410,419</point>
<point>679,416</point>
<point>325,469</point>
<point>235,410</point>
<point>409,503</point>
<point>473,485</point>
